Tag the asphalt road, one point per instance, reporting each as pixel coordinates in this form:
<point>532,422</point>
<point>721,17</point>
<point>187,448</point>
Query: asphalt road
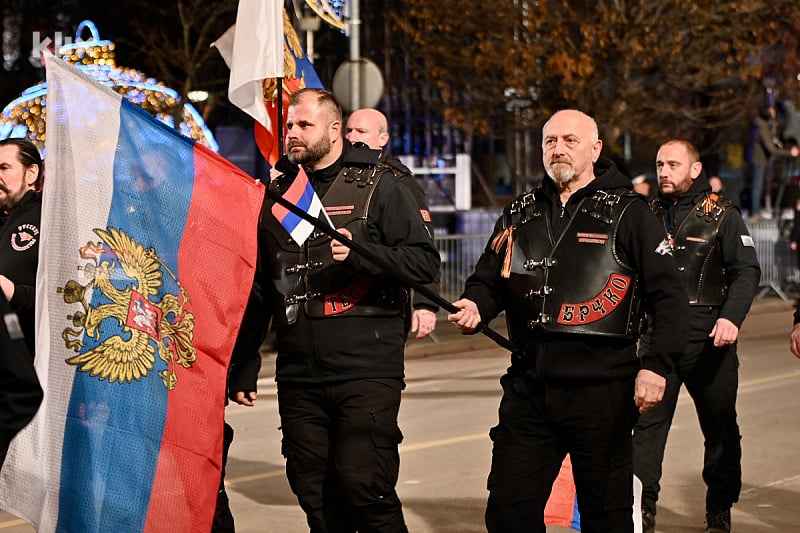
<point>451,402</point>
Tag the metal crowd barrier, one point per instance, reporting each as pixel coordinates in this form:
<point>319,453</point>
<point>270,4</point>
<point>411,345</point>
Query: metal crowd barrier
<point>779,269</point>
<point>459,254</point>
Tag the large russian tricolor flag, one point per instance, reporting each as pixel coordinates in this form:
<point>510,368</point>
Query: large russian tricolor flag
<point>147,255</point>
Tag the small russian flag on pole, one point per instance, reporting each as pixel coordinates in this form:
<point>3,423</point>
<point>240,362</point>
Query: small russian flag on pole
<point>301,194</point>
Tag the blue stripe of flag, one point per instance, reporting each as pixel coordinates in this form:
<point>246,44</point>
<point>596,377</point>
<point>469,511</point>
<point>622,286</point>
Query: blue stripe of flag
<point>291,221</point>
<point>113,431</point>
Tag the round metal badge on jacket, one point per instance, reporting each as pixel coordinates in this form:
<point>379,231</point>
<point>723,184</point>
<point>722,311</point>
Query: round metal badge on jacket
<point>25,237</point>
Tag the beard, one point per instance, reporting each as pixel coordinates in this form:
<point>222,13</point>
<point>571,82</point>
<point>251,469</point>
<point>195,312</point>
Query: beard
<point>11,199</point>
<point>675,188</point>
<point>313,153</point>
<point>561,170</point>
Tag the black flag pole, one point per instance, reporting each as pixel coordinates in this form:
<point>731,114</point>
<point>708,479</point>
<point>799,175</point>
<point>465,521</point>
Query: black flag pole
<point>280,117</point>
<point>385,266</point>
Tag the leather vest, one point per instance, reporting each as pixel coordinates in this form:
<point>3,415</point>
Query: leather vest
<point>696,252</point>
<point>576,284</point>
<point>308,275</point>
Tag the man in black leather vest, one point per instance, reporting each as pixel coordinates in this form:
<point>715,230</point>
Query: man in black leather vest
<point>371,127</point>
<point>571,263</point>
<point>717,262</point>
<point>339,323</point>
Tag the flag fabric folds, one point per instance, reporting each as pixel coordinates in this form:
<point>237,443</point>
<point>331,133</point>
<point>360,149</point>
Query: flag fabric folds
<point>147,255</point>
<point>257,46</point>
<point>301,194</point>
<point>245,45</point>
<point>562,506</point>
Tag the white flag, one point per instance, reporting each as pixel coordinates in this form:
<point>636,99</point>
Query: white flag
<point>253,49</point>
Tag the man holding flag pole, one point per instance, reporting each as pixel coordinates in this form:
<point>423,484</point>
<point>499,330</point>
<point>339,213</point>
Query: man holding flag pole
<point>339,320</point>
<point>333,299</point>
<point>267,64</point>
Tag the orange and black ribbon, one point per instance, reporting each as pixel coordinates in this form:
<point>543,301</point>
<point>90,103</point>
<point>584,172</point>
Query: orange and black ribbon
<point>505,237</point>
<point>709,203</point>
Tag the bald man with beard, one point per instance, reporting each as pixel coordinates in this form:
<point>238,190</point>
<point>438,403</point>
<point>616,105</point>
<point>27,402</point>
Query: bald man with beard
<point>572,263</point>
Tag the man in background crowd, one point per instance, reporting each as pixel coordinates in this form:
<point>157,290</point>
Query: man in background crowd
<point>717,261</point>
<point>642,186</point>
<point>370,127</point>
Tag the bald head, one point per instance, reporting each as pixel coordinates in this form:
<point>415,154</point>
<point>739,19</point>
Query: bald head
<point>570,147</point>
<point>368,126</point>
<point>577,119</point>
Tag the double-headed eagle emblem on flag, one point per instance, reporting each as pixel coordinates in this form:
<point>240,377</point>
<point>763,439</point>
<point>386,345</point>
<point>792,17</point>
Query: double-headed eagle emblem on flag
<point>128,317</point>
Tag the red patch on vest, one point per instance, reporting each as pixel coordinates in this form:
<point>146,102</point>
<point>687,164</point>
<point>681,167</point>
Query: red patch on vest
<point>334,210</point>
<point>343,300</point>
<point>696,239</point>
<point>597,307</point>
<point>426,215</point>
<point>592,238</point>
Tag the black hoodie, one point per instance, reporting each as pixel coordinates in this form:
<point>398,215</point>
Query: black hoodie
<point>562,357</point>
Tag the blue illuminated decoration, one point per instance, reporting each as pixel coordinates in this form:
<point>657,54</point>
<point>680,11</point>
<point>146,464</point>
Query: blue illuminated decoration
<point>331,11</point>
<point>25,115</point>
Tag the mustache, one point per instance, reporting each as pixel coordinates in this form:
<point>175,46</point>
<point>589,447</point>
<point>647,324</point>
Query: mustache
<point>4,188</point>
<point>555,160</point>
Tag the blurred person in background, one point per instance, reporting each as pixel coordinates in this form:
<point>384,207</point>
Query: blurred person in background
<point>716,184</point>
<point>766,144</point>
<point>642,186</point>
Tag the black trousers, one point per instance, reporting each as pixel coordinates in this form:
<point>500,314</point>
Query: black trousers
<point>223,518</point>
<point>711,378</point>
<point>539,424</point>
<point>340,442</point>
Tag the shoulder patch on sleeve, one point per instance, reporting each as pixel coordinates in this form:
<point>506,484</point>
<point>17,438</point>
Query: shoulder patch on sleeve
<point>747,240</point>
